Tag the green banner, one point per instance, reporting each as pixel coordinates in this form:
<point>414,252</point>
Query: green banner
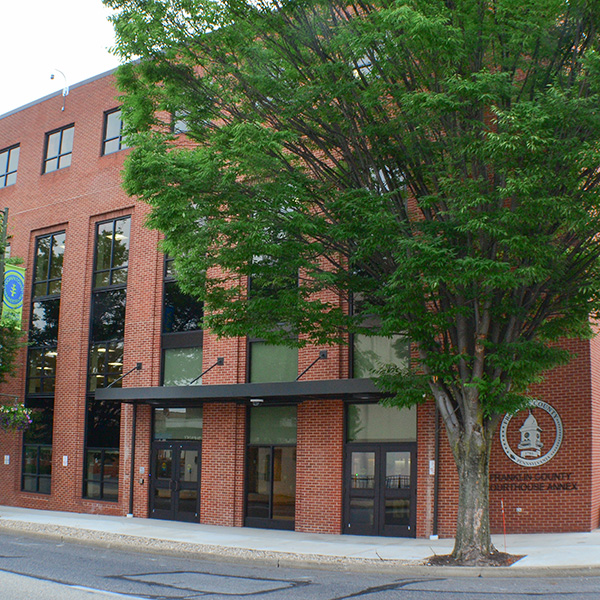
<point>12,303</point>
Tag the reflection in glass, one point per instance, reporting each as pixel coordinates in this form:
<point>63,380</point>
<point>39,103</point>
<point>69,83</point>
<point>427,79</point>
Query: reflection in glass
<point>108,315</point>
<point>188,466</point>
<point>162,499</point>
<point>164,463</point>
<point>361,511</point>
<point>273,425</point>
<point>259,482</point>
<point>182,366</point>
<point>181,312</point>
<point>43,329</point>
<point>188,501</point>
<point>178,423</point>
<point>397,470</point>
<point>272,363</point>
<point>371,353</point>
<point>397,511</point>
<point>378,423</point>
<point>362,467</point>
<point>284,483</point>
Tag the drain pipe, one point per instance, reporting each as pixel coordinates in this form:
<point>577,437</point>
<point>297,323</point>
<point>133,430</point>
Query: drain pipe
<point>436,480</point>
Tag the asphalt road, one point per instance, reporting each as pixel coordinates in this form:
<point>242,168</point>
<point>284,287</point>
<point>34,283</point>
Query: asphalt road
<point>33,568</point>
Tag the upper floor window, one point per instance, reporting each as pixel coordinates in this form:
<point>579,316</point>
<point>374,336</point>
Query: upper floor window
<point>373,352</point>
<point>48,265</point>
<point>113,133</point>
<point>59,149</point>
<point>9,161</point>
<point>268,363</point>
<point>181,312</point>
<point>112,253</point>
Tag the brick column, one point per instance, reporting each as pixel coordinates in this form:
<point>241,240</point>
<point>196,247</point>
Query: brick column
<point>319,469</point>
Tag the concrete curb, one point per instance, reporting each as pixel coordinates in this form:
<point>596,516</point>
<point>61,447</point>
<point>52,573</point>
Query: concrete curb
<point>279,559</point>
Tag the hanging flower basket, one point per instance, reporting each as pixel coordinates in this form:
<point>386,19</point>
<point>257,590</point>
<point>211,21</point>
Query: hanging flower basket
<point>14,417</point>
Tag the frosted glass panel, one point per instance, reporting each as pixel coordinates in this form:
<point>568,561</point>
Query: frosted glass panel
<point>182,365</point>
<point>272,363</point>
<point>373,352</point>
<point>273,425</point>
<point>378,423</point>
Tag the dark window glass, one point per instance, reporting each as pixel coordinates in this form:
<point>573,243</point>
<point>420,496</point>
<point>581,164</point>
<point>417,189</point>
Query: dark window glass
<point>112,253</point>
<point>49,265</point>
<point>113,133</point>
<point>181,312</point>
<point>103,419</point>
<point>101,474</point>
<point>37,447</point>
<point>59,149</point>
<point>43,329</point>
<point>108,315</point>
<point>9,161</point>
<point>105,364</point>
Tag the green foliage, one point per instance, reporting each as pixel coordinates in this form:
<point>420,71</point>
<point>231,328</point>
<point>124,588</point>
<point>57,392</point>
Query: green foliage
<point>436,160</point>
<point>15,417</point>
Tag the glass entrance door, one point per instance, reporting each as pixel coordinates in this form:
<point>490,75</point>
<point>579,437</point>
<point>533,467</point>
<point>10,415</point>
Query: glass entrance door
<point>380,489</point>
<point>271,483</point>
<point>175,481</point>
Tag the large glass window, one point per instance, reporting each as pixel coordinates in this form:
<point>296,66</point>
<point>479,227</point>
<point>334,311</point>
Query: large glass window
<point>37,447</point>
<point>181,366</point>
<point>41,362</point>
<point>372,352</point>
<point>272,363</point>
<point>271,467</point>
<point>378,423</point>
<point>182,333</point>
<point>9,161</point>
<point>178,424</point>
<point>113,132</point>
<point>59,149</point>
<point>105,364</point>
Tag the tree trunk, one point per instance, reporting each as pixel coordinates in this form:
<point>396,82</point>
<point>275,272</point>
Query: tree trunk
<point>473,543</point>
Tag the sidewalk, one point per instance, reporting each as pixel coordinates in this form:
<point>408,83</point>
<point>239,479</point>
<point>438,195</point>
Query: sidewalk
<point>559,552</point>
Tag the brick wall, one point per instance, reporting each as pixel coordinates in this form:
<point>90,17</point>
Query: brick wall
<point>75,199</point>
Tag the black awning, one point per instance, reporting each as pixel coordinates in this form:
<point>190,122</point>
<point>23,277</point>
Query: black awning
<point>277,392</point>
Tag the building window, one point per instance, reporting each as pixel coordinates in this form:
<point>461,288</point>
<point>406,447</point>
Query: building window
<point>105,366</point>
<point>272,363</point>
<point>112,253</point>
<point>113,132</point>
<point>373,352</point>
<point>37,447</point>
<point>9,161</point>
<point>41,362</point>
<point>182,333</point>
<point>59,149</point>
<point>101,475</point>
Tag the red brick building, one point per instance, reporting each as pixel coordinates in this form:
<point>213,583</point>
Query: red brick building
<point>228,432</point>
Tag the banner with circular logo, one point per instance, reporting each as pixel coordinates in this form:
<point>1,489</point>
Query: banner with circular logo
<point>532,437</point>
<point>14,287</point>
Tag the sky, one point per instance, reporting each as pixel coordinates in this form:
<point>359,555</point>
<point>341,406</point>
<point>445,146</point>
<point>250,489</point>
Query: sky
<point>41,37</point>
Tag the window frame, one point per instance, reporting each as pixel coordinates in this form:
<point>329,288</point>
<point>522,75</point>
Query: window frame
<point>174,340</point>
<point>60,154</point>
<point>122,145</point>
<point>4,176</point>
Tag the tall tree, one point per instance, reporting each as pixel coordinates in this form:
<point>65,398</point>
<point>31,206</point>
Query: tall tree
<point>435,160</point>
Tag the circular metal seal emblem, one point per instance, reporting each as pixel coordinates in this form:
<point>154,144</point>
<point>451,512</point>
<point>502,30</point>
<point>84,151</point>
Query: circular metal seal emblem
<point>14,284</point>
<point>529,450</point>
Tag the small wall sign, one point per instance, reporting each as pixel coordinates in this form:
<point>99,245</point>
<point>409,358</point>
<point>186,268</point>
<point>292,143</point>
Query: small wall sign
<point>533,438</point>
